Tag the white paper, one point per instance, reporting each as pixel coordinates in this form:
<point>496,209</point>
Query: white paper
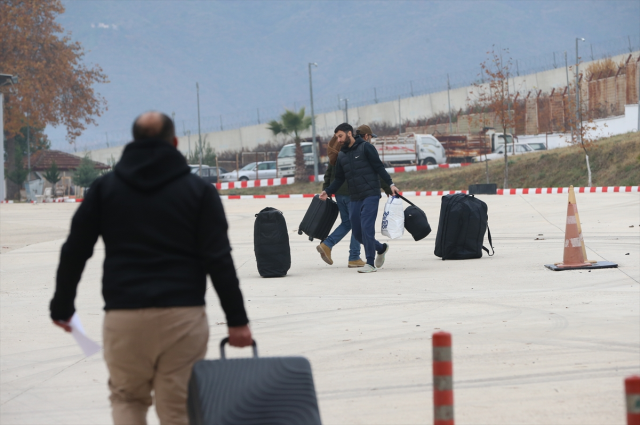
<point>89,347</point>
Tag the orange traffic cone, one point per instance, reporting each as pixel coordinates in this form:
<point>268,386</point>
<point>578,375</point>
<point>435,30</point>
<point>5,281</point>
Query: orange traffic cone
<point>575,255</point>
<point>572,200</point>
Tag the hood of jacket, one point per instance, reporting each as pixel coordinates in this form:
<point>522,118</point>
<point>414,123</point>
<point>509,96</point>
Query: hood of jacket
<point>358,140</point>
<point>149,164</point>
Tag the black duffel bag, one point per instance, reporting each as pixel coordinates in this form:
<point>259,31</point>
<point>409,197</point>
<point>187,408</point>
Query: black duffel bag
<point>271,243</point>
<point>415,221</point>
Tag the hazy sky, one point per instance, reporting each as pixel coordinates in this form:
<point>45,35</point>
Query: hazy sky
<point>248,55</point>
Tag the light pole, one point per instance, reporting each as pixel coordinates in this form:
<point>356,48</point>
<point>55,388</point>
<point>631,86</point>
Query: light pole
<point>313,127</point>
<point>399,116</point>
<point>449,101</point>
<point>346,110</point>
<point>199,133</point>
<point>5,79</point>
<point>578,114</point>
<point>566,68</point>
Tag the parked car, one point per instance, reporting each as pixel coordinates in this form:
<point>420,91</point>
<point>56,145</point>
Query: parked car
<point>521,148</point>
<point>265,170</point>
<point>538,146</point>
<point>209,174</point>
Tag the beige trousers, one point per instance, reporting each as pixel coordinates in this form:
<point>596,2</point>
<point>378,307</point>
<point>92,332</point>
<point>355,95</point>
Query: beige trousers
<point>153,349</point>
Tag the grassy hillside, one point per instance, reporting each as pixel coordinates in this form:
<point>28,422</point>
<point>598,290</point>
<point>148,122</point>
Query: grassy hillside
<point>615,161</point>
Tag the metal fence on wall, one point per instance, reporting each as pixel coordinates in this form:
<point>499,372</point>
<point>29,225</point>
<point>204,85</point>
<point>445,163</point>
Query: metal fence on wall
<point>604,91</point>
<point>372,95</point>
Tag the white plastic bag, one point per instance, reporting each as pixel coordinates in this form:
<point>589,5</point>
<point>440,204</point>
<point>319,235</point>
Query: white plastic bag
<point>393,218</point>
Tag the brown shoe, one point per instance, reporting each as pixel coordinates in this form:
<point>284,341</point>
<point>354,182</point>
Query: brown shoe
<point>356,263</point>
<point>325,253</point>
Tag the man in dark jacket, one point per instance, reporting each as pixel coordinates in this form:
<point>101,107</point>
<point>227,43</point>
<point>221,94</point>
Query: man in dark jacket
<point>343,199</point>
<point>359,165</point>
<point>164,230</point>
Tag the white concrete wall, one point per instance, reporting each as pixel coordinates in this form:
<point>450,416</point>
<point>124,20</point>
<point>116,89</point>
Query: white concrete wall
<point>410,109</point>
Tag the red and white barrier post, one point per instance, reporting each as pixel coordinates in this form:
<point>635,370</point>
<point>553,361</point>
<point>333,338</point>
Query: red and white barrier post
<point>442,379</point>
<point>632,391</point>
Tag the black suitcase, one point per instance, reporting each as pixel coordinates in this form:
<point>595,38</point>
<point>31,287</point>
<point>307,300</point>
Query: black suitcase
<point>271,243</point>
<point>319,218</point>
<point>252,391</point>
<point>463,222</point>
<point>415,221</point>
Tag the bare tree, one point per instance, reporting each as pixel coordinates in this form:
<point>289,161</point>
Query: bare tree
<point>585,132</point>
<point>496,95</point>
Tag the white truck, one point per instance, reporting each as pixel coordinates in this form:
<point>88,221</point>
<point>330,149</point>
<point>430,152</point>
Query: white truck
<point>287,159</point>
<point>410,149</point>
<point>464,147</point>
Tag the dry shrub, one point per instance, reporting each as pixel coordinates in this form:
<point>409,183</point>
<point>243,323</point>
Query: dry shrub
<point>604,68</point>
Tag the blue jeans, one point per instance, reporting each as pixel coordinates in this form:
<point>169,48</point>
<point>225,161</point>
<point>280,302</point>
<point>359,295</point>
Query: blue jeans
<point>363,225</point>
<point>344,227</point>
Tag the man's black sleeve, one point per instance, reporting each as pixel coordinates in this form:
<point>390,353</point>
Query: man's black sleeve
<point>385,186</point>
<point>214,247</point>
<point>338,181</point>
<point>85,229</point>
<point>374,159</point>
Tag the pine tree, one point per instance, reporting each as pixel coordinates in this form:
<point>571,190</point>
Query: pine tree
<point>85,174</point>
<point>52,175</point>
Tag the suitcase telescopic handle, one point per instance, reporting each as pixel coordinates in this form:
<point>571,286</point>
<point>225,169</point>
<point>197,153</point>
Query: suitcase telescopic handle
<point>254,346</point>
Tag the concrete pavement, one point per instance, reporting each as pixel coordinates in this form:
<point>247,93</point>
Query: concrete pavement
<point>530,346</point>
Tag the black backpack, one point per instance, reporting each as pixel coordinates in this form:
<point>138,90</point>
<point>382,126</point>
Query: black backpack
<point>271,243</point>
<point>463,222</point>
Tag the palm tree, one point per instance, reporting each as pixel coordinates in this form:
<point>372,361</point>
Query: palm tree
<point>296,123</point>
<point>277,128</point>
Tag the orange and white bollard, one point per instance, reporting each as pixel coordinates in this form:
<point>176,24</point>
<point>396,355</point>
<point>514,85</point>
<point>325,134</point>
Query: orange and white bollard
<point>632,391</point>
<point>442,379</point>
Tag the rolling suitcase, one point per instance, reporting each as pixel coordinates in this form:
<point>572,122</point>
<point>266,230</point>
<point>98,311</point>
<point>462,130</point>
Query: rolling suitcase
<point>252,391</point>
<point>319,218</point>
<point>415,221</point>
<point>461,228</point>
<point>271,243</point>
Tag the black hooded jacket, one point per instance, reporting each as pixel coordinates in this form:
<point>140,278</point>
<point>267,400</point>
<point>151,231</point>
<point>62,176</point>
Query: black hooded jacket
<point>361,167</point>
<point>164,230</point>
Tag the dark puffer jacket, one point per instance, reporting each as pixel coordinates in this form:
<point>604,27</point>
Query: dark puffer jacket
<point>330,175</point>
<point>360,166</point>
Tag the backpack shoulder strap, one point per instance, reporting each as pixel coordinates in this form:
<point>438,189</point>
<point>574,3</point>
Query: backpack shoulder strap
<point>490,243</point>
<point>405,199</point>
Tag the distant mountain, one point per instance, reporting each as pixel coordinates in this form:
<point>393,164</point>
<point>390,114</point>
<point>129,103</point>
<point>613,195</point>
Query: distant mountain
<point>254,54</point>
